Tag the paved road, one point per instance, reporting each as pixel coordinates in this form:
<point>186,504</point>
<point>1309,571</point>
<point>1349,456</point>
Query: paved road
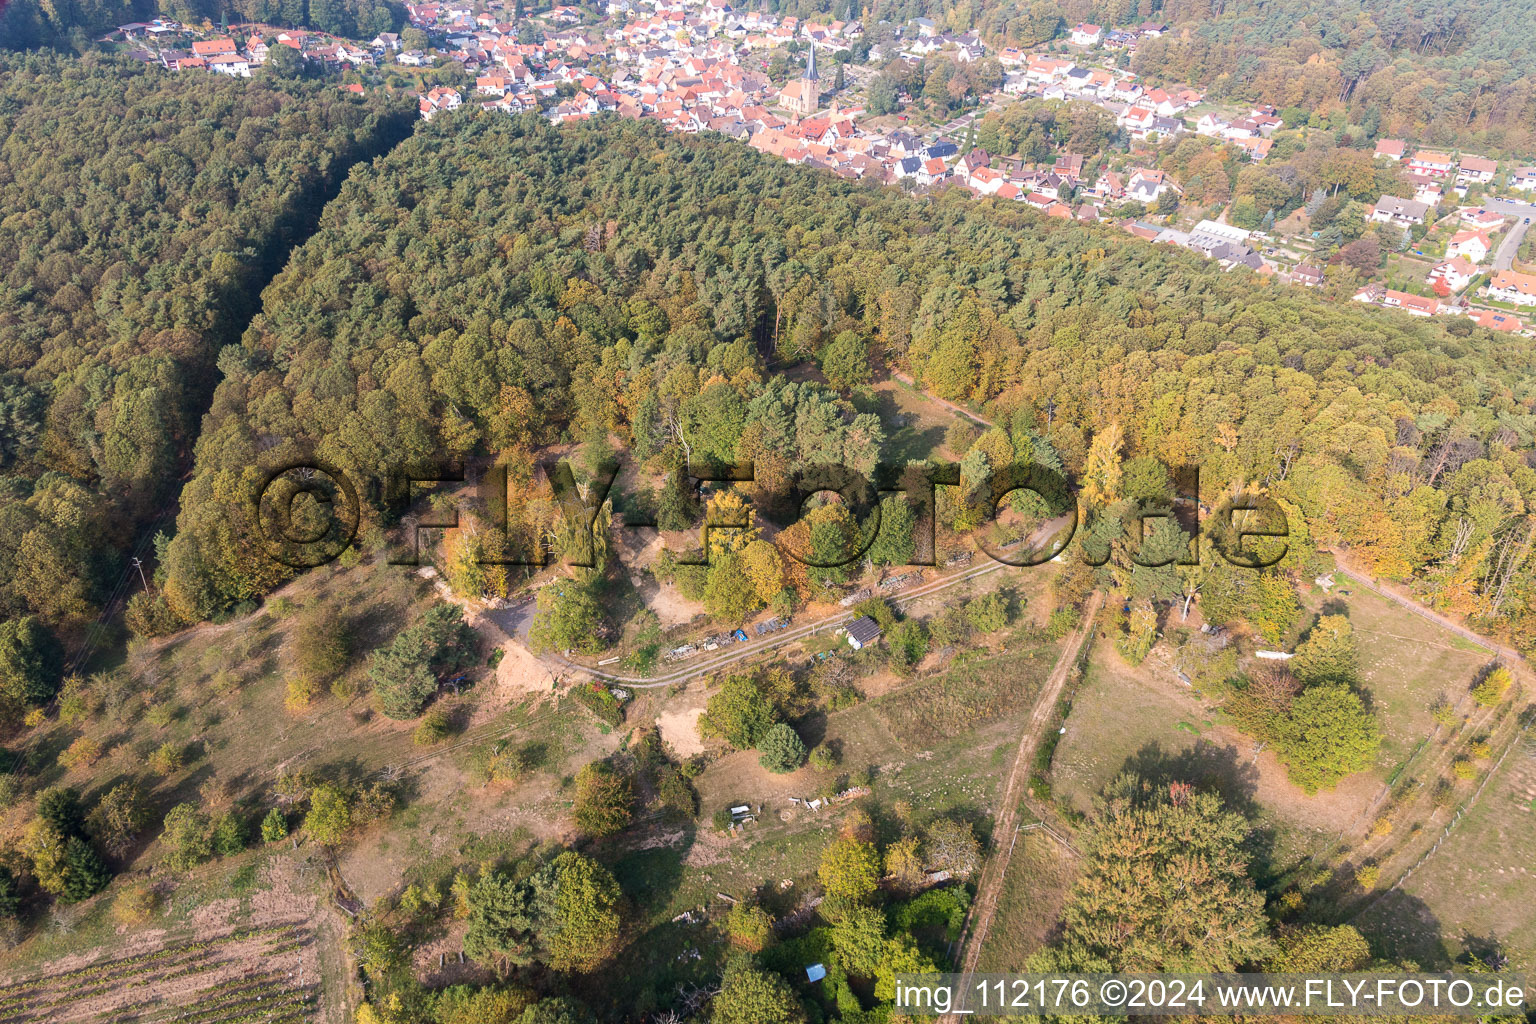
<point>1504,258</point>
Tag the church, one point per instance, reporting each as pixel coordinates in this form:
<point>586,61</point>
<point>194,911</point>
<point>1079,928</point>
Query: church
<point>803,95</point>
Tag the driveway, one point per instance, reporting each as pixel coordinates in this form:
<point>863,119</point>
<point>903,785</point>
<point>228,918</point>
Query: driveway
<point>1504,258</point>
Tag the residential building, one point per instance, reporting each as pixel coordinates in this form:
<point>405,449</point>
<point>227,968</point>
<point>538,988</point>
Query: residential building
<point>1147,185</point>
<point>1432,163</point>
<point>1474,245</point>
<point>1392,149</point>
<point>1307,275</point>
<point>1480,218</point>
<point>1476,170</point>
<point>1396,210</point>
<point>1087,34</point>
<point>1455,273</point>
<point>1494,320</point>
<point>1508,286</point>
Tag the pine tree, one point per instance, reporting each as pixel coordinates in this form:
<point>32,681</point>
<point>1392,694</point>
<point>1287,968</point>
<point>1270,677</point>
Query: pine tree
<point>85,873</point>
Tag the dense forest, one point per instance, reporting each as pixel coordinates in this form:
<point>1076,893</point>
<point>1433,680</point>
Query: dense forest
<point>497,285</point>
<point>141,215</point>
<point>1455,74</point>
<point>25,24</point>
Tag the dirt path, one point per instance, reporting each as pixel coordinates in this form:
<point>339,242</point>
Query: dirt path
<point>776,640</point>
<point>990,886</point>
<point>1392,594</point>
<point>958,410</point>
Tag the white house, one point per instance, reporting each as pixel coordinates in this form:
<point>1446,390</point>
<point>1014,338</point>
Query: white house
<point>1474,245</point>
<point>1456,273</point>
<point>1396,210</point>
<point>1476,170</point>
<point>1087,34</point>
<point>1508,286</point>
<point>1431,162</point>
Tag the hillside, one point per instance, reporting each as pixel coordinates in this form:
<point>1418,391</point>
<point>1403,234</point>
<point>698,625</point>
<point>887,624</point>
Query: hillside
<point>142,213</point>
<point>489,260</point>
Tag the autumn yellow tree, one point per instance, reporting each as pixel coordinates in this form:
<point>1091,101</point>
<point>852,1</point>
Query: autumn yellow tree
<point>1102,472</point>
<point>764,566</point>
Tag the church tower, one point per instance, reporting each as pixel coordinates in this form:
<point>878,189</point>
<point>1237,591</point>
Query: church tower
<point>812,84</point>
<point>803,95</point>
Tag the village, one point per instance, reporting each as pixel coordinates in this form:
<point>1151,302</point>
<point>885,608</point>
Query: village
<point>1451,249</point>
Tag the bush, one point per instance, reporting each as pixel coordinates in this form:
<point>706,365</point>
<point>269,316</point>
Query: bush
<point>749,927</point>
<point>603,800</point>
<point>598,699</point>
<point>135,904</point>
<point>322,643</point>
<point>82,753</point>
<point>118,818</point>
<point>150,616</point>
<point>330,815</point>
<point>988,613</point>
<point>497,762</point>
<point>823,758</point>
<point>433,728</point>
<point>1062,622</point>
<point>166,759</point>
<point>1493,687</point>
<point>274,826</point>
<point>228,834</point>
<point>782,750</point>
<point>302,691</point>
<point>907,643</point>
<point>1367,876</point>
<point>187,837</point>
<point>739,712</point>
<point>1463,769</point>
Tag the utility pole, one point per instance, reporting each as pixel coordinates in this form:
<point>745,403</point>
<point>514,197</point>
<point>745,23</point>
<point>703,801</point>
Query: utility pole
<point>139,565</point>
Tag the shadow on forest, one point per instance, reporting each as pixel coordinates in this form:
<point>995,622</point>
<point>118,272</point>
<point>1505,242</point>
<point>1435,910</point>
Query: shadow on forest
<point>665,955</point>
<point>1205,765</point>
<point>1400,927</point>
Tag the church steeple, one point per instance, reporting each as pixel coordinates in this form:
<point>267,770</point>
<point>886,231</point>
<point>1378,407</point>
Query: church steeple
<point>810,66</point>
